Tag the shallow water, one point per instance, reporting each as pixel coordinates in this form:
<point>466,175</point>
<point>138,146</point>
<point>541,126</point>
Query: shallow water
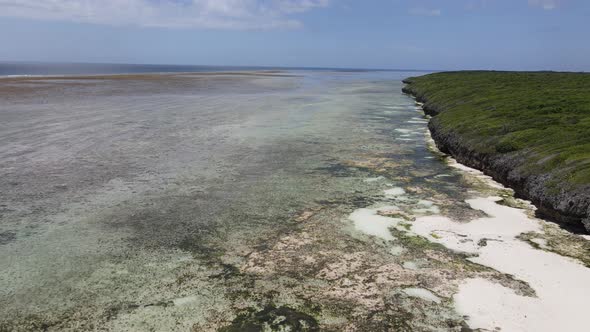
<point>206,202</point>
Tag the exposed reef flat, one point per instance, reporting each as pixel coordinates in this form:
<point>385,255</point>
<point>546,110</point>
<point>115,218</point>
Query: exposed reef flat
<point>258,202</point>
<point>22,89</point>
<point>527,130</point>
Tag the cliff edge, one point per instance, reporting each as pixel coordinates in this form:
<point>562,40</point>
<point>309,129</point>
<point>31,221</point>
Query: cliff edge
<point>528,130</point>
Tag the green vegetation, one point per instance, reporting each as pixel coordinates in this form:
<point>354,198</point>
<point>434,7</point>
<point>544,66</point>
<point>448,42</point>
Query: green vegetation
<point>542,116</point>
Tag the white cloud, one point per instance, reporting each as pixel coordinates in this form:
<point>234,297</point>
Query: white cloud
<point>205,14</point>
<point>420,11</point>
<point>545,4</point>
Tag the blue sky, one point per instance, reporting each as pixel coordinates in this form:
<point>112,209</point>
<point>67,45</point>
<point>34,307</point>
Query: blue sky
<point>419,34</point>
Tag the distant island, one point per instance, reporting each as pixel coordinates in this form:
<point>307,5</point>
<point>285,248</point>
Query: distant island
<point>528,130</point>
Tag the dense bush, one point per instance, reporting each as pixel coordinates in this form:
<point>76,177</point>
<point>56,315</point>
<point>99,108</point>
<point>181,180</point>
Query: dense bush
<point>543,116</point>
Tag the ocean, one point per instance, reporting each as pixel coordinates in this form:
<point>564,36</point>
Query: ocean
<point>41,68</point>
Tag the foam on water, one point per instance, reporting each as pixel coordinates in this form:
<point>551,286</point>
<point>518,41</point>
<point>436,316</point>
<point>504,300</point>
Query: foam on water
<point>396,250</point>
<point>423,294</point>
<point>442,175</point>
<point>394,192</point>
<point>411,265</point>
<point>185,300</point>
<point>403,130</point>
<point>425,203</point>
<point>375,179</point>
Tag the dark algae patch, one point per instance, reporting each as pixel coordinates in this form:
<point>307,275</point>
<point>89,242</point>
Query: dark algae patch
<point>529,130</point>
<point>272,318</point>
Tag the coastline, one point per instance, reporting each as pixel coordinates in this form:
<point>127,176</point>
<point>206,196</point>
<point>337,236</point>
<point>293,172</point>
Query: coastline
<point>570,209</point>
<point>185,204</point>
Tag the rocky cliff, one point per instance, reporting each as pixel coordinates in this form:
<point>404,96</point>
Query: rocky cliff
<point>565,204</point>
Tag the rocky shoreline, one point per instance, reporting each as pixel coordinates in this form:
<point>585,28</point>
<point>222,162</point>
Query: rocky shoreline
<point>570,208</point>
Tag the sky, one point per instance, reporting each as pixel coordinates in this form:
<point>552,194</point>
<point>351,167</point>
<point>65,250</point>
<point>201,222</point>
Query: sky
<point>385,34</point>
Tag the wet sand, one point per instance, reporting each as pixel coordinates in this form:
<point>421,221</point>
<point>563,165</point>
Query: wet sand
<point>212,202</point>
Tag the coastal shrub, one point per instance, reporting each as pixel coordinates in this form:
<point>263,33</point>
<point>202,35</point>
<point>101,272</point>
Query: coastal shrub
<point>506,146</point>
<point>543,116</point>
